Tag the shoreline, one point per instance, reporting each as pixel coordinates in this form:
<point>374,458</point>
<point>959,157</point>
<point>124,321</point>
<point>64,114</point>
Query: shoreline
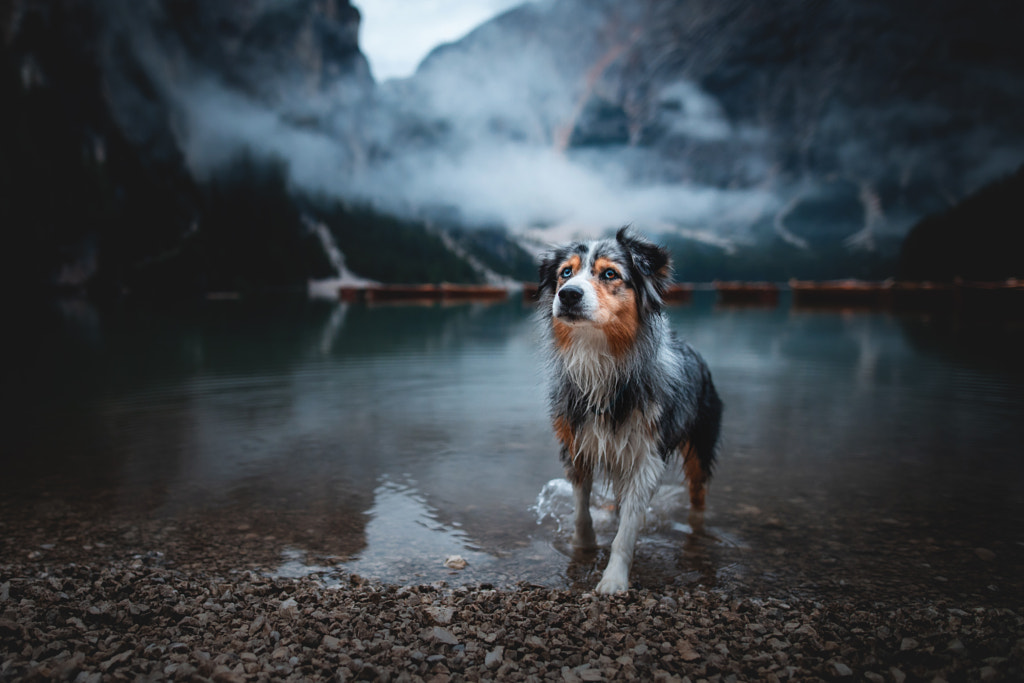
<point>988,299</point>
<point>84,598</point>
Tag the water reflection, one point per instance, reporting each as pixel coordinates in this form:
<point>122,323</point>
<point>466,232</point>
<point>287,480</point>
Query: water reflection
<point>380,440</point>
<point>408,543</point>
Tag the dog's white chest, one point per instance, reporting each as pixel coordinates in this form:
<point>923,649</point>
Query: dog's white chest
<point>618,449</point>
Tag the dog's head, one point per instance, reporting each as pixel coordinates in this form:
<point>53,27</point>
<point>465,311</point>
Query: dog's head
<point>609,284</point>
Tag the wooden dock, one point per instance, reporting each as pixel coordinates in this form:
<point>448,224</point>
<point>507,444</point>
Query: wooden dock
<point>1005,299</point>
<point>747,293</point>
<point>839,294</point>
<point>444,292</point>
<point>678,294</point>
<point>675,294</point>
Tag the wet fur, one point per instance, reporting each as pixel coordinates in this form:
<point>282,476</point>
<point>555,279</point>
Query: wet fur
<point>626,395</point>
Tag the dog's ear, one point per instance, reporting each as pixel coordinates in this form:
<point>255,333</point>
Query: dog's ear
<point>651,261</point>
<point>547,275</point>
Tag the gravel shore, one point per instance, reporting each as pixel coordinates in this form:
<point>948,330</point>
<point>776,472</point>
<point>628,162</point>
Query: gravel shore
<point>84,598</point>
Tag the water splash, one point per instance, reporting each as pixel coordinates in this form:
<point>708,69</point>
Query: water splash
<point>555,503</point>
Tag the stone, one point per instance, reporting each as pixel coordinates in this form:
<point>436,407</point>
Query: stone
<point>494,658</point>
<point>442,635</point>
<point>441,615</point>
<point>841,669</point>
<point>455,562</point>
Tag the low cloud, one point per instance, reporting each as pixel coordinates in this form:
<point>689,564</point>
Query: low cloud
<point>522,186</point>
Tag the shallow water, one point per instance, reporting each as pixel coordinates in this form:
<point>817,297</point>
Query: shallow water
<point>380,441</point>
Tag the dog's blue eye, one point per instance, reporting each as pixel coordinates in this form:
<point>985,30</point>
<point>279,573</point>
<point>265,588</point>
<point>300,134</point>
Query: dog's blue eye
<point>567,272</point>
<point>609,274</point>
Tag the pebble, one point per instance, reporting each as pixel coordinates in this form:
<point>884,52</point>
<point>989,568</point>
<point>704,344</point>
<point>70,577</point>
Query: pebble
<point>841,669</point>
<point>441,615</point>
<point>494,658</point>
<point>443,635</point>
<point>455,562</point>
<point>908,644</point>
<point>289,608</point>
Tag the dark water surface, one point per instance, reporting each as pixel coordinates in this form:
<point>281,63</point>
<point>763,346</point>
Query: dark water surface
<point>378,441</point>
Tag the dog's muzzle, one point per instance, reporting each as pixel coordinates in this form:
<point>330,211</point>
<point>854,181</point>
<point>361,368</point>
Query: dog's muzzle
<point>570,296</point>
<point>569,302</point>
<point>575,302</point>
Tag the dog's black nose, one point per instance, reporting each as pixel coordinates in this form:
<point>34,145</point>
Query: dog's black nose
<point>570,295</point>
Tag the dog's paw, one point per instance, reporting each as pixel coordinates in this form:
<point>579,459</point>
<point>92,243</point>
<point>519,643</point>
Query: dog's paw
<point>612,582</point>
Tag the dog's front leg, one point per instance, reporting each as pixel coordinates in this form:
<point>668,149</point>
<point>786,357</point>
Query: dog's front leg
<point>583,537</point>
<point>634,498</point>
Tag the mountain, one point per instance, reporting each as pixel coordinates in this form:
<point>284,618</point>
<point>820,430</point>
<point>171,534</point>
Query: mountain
<point>814,128</point>
<point>177,147</point>
<point>134,151</point>
<point>978,239</point>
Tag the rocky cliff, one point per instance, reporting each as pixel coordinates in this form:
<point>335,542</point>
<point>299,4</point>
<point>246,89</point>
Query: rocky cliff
<point>826,127</point>
<point>977,240</point>
<point>175,147</point>
<point>96,183</point>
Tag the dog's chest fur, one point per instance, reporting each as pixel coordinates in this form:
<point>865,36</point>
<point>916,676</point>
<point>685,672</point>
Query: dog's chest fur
<point>588,363</point>
<point>614,432</point>
<point>616,448</point>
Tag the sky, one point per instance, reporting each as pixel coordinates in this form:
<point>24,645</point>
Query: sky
<point>396,35</point>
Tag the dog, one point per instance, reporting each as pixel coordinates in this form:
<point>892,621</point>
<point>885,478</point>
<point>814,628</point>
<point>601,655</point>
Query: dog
<point>625,394</point>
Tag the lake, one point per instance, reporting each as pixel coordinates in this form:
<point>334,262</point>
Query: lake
<point>342,439</point>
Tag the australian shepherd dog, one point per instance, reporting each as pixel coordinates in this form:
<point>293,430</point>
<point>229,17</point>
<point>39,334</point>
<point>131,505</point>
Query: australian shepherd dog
<point>626,395</point>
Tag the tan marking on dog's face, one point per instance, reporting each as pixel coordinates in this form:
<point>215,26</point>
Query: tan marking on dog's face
<point>617,312</point>
<point>573,262</point>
